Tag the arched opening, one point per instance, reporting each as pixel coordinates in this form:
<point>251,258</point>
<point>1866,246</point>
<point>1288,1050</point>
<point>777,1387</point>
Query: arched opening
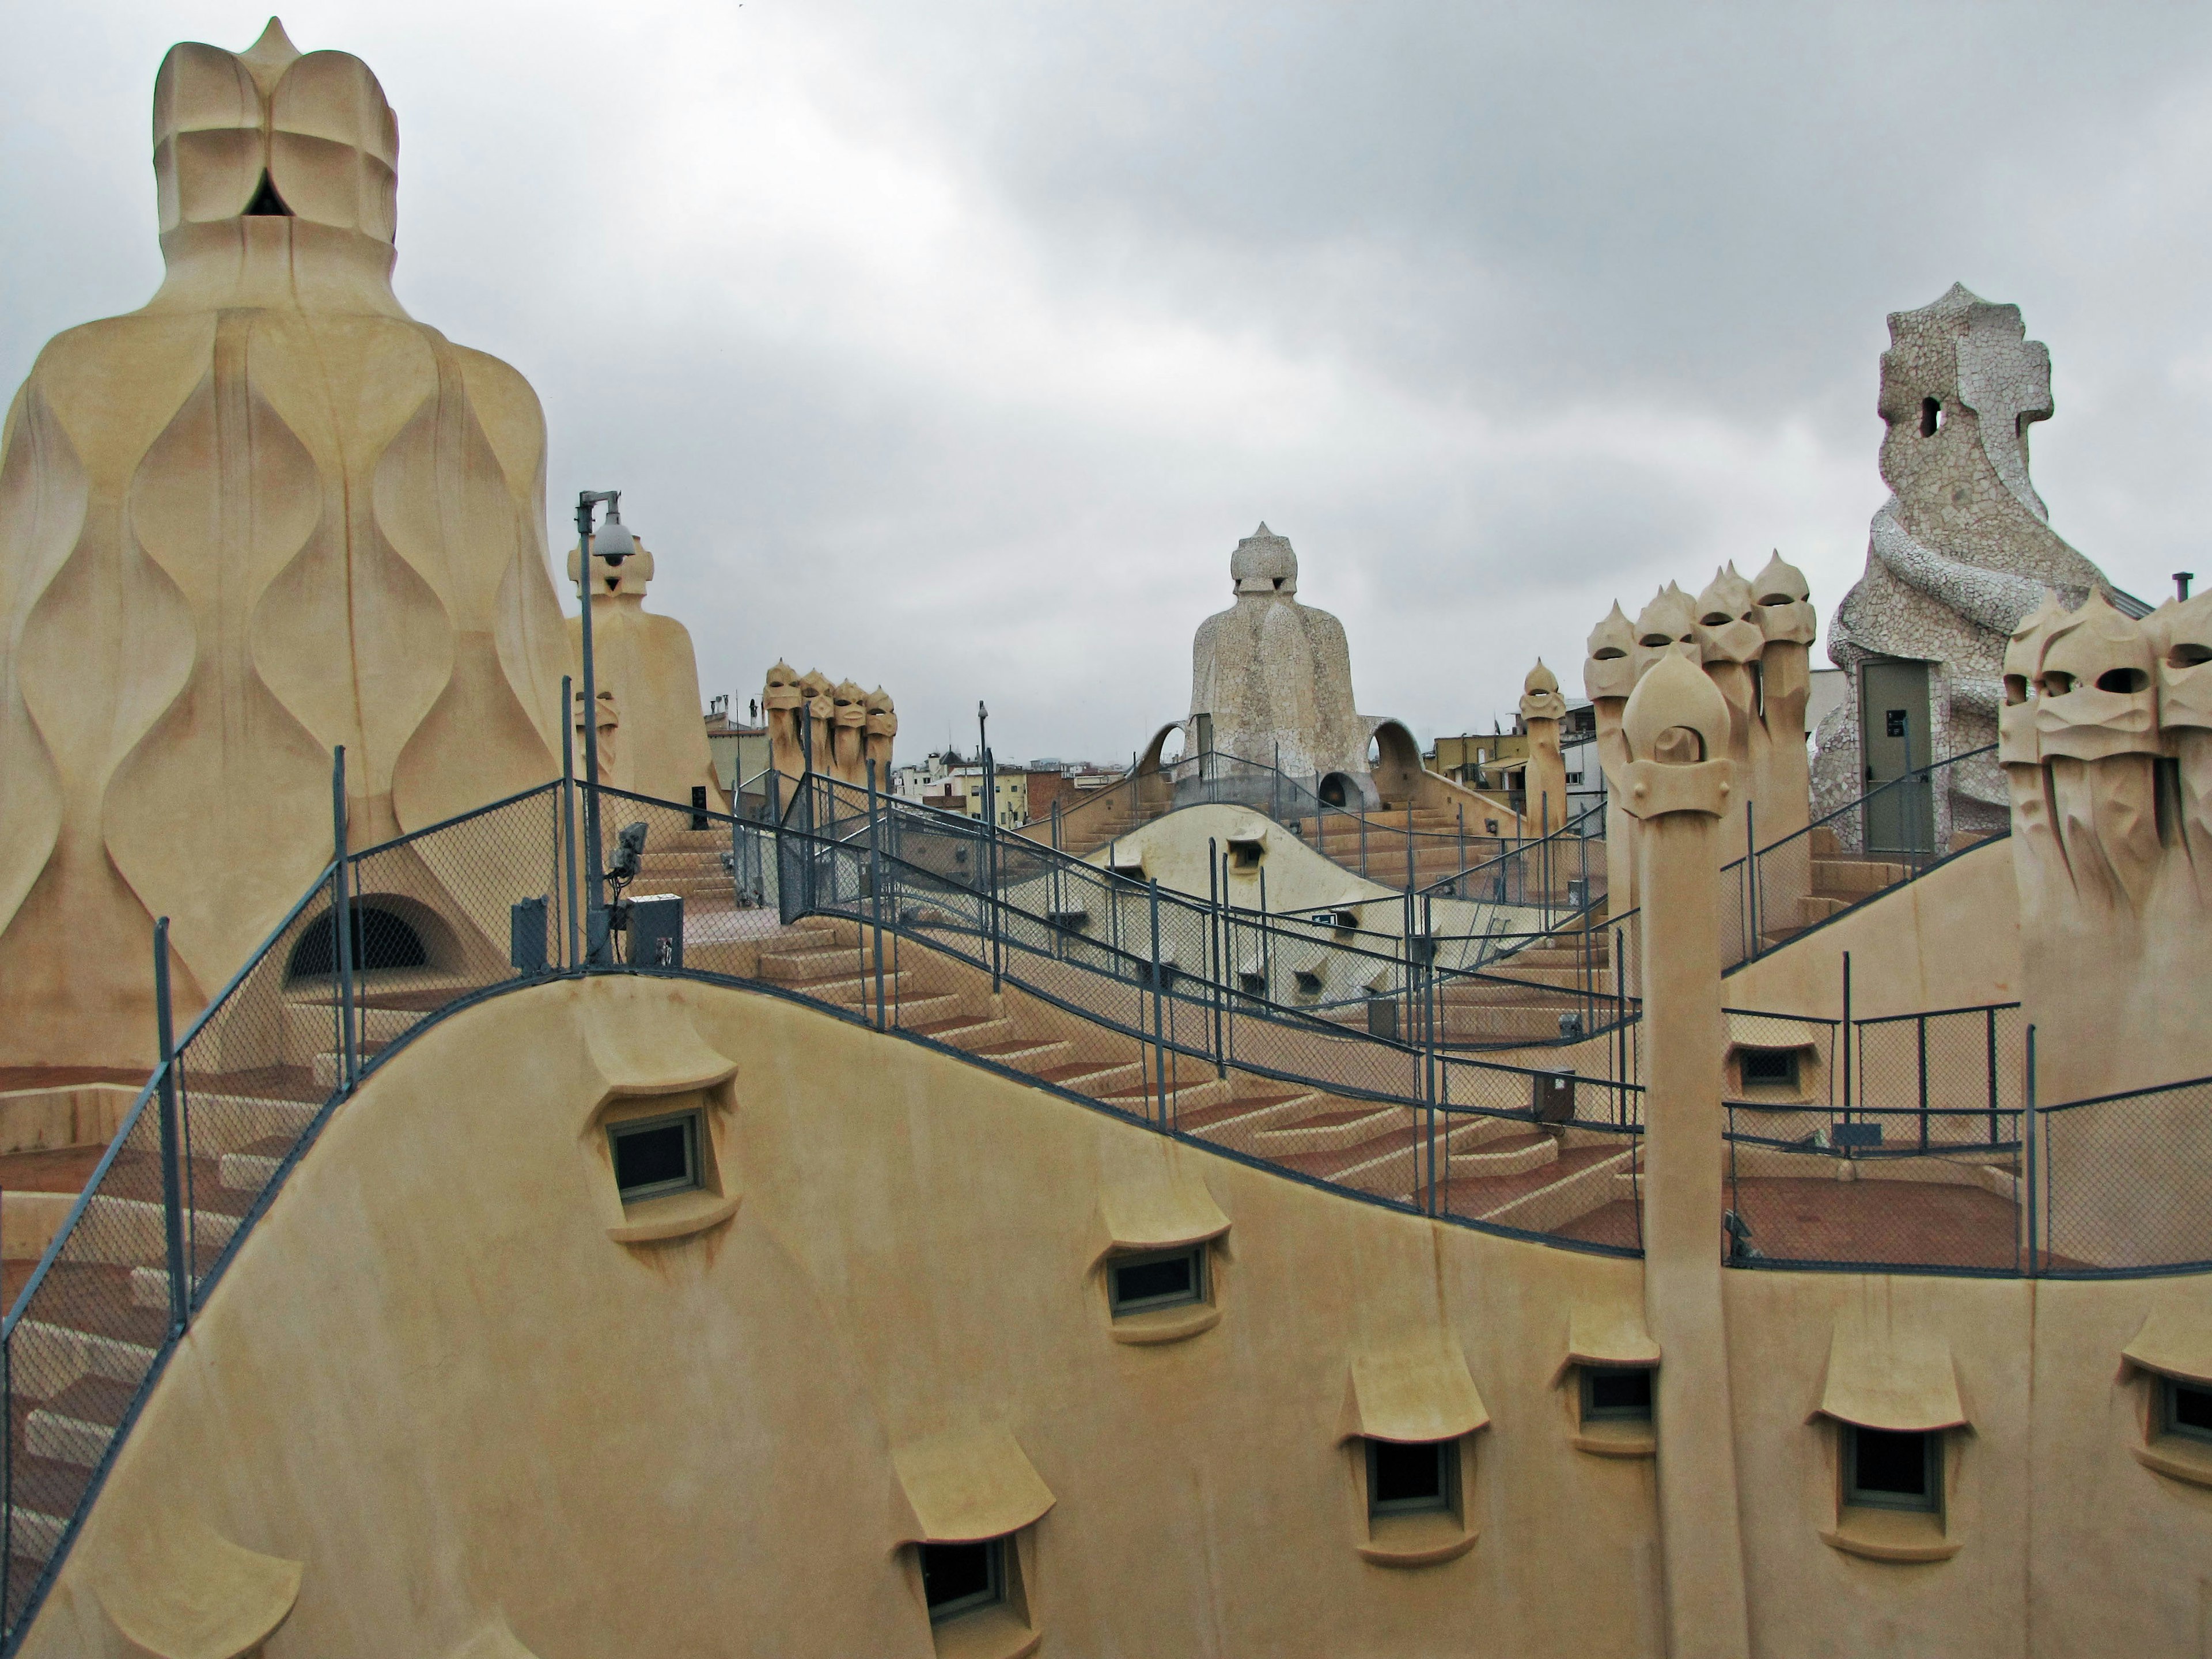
<point>1338,790</point>
<point>382,939</point>
<point>1931,411</point>
<point>1396,764</point>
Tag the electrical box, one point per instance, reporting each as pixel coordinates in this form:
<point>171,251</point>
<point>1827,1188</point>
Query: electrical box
<point>656,930</point>
<point>1553,1096</point>
<point>525,936</point>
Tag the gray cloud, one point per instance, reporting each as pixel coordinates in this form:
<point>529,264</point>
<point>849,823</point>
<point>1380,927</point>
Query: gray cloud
<point>954,347</point>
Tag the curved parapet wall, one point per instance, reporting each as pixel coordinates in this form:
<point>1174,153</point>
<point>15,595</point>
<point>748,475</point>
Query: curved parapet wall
<point>778,1415</point>
<point>266,515</point>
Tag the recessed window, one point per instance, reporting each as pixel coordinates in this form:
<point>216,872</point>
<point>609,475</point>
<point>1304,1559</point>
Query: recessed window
<point>1769,1068</point>
<point>957,1578</point>
<point>1892,1469</point>
<point>1616,1394</point>
<point>2185,1408</point>
<point>1931,414</point>
<point>1410,1478</point>
<point>1156,1278</point>
<point>656,1155</point>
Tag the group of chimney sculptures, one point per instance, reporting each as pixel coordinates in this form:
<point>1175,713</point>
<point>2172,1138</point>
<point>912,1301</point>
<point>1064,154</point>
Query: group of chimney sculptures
<point>830,730</point>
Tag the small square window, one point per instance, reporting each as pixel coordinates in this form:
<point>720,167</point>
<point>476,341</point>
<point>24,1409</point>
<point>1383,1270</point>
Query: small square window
<point>1769,1068</point>
<point>957,1578</point>
<point>1407,1478</point>
<point>654,1156</point>
<point>1616,1394</point>
<point>1890,1469</point>
<point>2185,1408</point>
<point>1156,1278</point>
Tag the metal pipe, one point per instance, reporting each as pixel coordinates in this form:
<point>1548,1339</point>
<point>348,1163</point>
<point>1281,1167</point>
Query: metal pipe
<point>172,1197</point>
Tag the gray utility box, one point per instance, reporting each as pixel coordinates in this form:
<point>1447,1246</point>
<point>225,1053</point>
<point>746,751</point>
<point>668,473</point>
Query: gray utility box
<point>525,936</point>
<point>656,930</point>
<point>1553,1096</point>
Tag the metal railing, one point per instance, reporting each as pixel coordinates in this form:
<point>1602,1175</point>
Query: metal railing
<point>1886,837</point>
<point>1145,1017</point>
<point>1393,854</point>
<point>1107,989</point>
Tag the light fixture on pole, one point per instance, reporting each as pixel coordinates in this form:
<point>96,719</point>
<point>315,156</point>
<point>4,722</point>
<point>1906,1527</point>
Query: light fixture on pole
<point>615,545</point>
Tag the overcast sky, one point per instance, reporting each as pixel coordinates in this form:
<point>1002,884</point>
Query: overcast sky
<point>954,346</point>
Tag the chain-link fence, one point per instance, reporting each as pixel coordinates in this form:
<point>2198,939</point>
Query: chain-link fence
<point>2120,1183</point>
<point>1897,830</point>
<point>1890,1143</point>
<point>1337,1055</point>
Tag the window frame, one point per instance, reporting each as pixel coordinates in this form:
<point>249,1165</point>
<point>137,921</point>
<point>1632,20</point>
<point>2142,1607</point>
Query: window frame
<point>1930,1501</point>
<point>1791,1060</point>
<point>993,1595</point>
<point>694,1178</point>
<point>1201,1289</point>
<point>1448,1456</point>
<point>2169,1421</point>
<point>1593,1412</point>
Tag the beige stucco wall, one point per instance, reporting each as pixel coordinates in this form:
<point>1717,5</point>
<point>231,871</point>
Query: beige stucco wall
<point>434,1379</point>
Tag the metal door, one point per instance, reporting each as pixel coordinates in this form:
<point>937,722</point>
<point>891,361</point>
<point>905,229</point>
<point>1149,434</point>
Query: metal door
<point>1893,730</point>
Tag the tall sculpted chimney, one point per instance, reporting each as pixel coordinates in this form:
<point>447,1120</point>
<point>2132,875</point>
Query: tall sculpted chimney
<point>265,515</point>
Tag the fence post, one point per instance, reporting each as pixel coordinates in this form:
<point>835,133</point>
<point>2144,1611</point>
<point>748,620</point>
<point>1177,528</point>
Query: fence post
<point>173,1191</point>
<point>568,807</point>
<point>1159,1040</point>
<point>1220,964</point>
<point>1851,1036</point>
<point>348,1057</point>
<point>1750,880</point>
<point>2027,1143</point>
<point>1429,1048</point>
<point>876,888</point>
<point>1992,1014</point>
<point>1924,1082</point>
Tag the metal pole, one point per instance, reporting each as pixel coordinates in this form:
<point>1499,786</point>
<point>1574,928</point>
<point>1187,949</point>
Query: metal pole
<point>595,916</point>
<point>348,1055</point>
<point>2028,1143</point>
<point>1849,1037</point>
<point>1750,879</point>
<point>173,1196</point>
<point>876,889</point>
<point>990,857</point>
<point>1429,1035</point>
<point>1221,969</point>
<point>1992,1014</point>
<point>1159,1043</point>
<point>1924,1082</point>
<point>568,804</point>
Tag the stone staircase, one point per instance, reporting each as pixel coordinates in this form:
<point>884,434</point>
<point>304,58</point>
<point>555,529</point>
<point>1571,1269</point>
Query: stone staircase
<point>1497,1168</point>
<point>89,1338</point>
<point>1836,879</point>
